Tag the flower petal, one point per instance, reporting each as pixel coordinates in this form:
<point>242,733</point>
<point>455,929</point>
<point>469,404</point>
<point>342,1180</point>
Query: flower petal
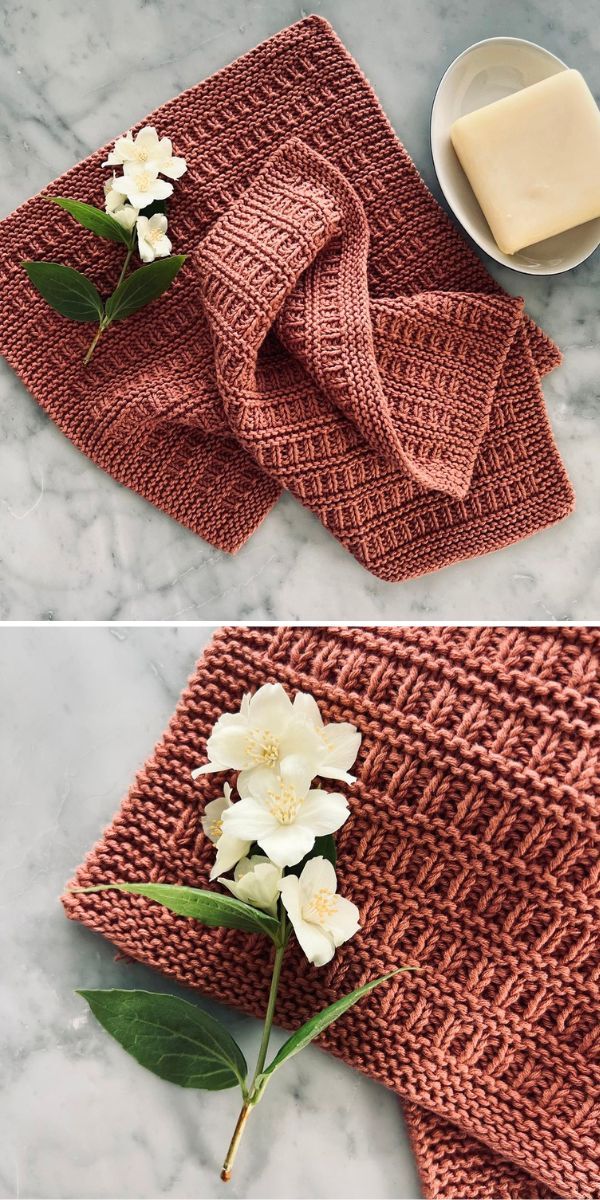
<point>316,944</point>
<point>287,844</point>
<point>229,851</point>
<point>128,188</point>
<point>173,168</point>
<point>162,189</point>
<point>298,772</point>
<point>318,874</point>
<point>112,198</point>
<point>289,887</point>
<point>126,215</point>
<point>323,812</point>
<point>133,176</point>
<point>227,719</point>
<point>345,922</point>
<point>301,738</point>
<point>121,184</point>
<point>270,708</point>
<point>342,743</point>
<point>306,707</point>
<point>227,745</point>
<point>147,138</point>
<point>256,881</point>
<point>158,221</point>
<point>165,148</point>
<point>209,768</point>
<point>162,248</point>
<point>145,250</point>
<point>213,813</point>
<point>249,819</point>
<point>135,168</point>
<point>248,864</point>
<point>258,782</point>
<point>327,772</point>
<point>122,150</point>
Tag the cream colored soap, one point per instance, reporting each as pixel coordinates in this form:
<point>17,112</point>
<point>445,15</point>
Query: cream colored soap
<point>533,160</point>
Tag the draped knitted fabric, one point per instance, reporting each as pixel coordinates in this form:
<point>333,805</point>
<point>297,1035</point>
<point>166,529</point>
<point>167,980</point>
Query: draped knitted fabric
<point>330,333</point>
<point>472,850</point>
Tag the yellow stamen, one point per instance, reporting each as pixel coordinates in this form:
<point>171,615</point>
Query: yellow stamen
<point>322,905</point>
<point>283,804</point>
<point>216,829</point>
<point>262,748</point>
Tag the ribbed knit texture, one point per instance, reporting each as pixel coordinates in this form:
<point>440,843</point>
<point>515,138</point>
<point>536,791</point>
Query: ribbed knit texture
<point>331,333</point>
<point>472,849</point>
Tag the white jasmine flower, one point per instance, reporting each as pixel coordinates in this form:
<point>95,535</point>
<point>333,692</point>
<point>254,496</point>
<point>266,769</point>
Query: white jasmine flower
<point>229,847</point>
<point>256,881</point>
<point>264,733</point>
<point>339,741</point>
<point>141,185</point>
<point>284,815</point>
<point>148,150</point>
<point>152,237</point>
<point>321,919</point>
<point>114,204</point>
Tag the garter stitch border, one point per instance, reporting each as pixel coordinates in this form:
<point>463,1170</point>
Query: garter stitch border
<point>472,850</point>
<point>408,417</point>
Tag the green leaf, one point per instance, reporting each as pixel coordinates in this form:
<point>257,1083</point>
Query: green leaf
<point>69,292</point>
<point>315,1026</point>
<point>96,219</point>
<point>142,286</point>
<point>324,846</point>
<point>208,907</point>
<point>171,1037</point>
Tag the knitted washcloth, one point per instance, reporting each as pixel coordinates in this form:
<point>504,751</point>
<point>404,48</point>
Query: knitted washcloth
<point>399,399</point>
<point>472,850</point>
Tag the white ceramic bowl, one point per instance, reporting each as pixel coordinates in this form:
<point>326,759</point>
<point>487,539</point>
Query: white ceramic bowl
<point>486,72</point>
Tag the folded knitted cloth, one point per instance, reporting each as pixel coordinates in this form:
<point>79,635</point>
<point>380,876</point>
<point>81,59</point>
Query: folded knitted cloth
<point>472,850</point>
<point>331,333</point>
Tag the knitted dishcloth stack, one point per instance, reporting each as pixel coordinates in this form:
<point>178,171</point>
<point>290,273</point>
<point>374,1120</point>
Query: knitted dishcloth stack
<point>331,333</point>
<point>472,850</point>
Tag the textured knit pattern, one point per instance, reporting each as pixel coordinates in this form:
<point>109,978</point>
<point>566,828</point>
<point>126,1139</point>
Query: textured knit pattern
<point>330,333</point>
<point>456,1167</point>
<point>472,850</point>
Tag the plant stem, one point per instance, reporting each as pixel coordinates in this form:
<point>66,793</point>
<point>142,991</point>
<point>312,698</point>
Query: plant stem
<point>93,343</point>
<point>124,267</point>
<point>104,323</point>
<point>233,1145</point>
<point>262,1054</point>
<point>254,1093</point>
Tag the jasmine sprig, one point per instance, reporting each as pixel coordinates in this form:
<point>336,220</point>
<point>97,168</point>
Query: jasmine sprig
<point>74,294</point>
<point>179,1042</point>
<point>290,889</point>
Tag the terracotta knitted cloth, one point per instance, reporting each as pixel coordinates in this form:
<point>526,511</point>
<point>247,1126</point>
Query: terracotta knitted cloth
<point>472,849</point>
<point>330,333</point>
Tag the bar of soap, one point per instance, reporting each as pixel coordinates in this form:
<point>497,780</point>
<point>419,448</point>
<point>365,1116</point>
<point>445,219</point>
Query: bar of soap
<point>533,160</point>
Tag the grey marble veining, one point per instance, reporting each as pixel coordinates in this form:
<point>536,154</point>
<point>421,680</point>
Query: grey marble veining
<point>79,1118</point>
<point>73,544</point>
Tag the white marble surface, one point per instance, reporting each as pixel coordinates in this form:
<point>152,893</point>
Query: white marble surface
<point>73,544</point>
<point>78,1118</point>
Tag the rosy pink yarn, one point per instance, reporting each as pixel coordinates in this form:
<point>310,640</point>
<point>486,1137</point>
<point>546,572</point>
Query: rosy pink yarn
<point>331,333</point>
<point>472,850</point>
